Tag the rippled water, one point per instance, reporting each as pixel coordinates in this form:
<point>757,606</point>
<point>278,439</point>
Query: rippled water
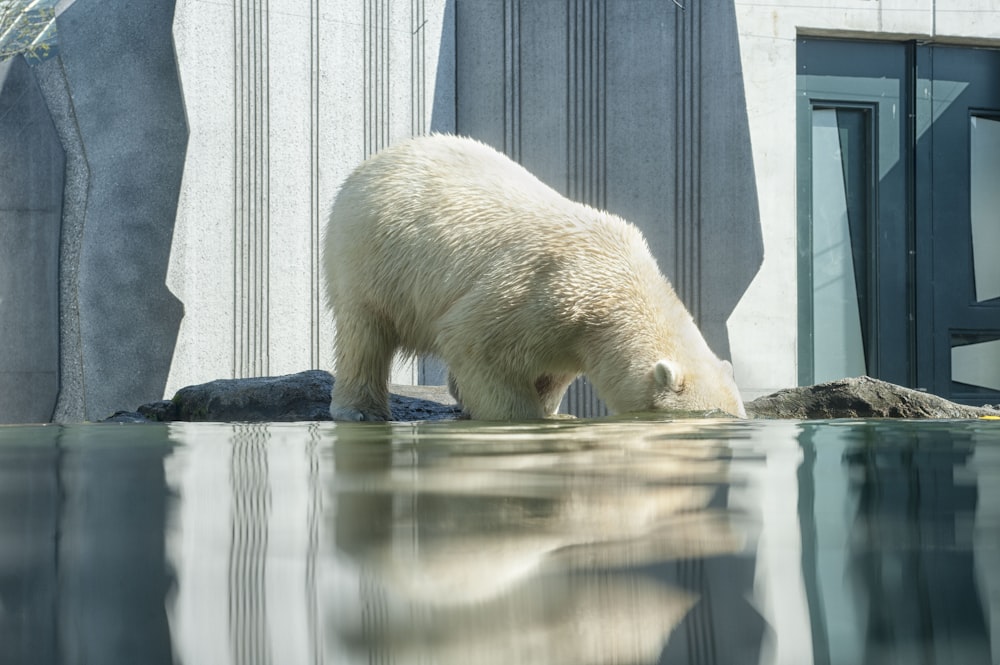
<point>573,542</point>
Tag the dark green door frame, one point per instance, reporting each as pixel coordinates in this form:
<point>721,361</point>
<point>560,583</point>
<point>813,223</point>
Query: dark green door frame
<point>916,280</point>
<point>868,78</point>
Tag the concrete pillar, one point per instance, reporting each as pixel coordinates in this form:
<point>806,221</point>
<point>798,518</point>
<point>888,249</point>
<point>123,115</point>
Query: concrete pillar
<point>31,184</point>
<point>121,76</point>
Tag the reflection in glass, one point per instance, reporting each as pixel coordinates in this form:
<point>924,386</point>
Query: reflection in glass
<point>28,27</point>
<point>984,195</point>
<point>976,361</point>
<point>839,247</point>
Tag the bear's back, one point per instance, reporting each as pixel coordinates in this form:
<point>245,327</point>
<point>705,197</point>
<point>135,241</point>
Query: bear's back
<point>462,196</point>
<point>420,225</point>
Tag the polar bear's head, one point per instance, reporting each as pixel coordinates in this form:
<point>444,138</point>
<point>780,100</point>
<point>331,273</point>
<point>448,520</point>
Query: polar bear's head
<point>701,384</point>
<point>690,378</point>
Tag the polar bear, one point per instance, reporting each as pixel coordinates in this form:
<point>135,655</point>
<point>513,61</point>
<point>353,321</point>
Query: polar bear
<point>443,246</point>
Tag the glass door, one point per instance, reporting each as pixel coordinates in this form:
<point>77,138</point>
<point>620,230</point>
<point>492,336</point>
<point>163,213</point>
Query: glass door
<point>854,268</point>
<point>958,205</point>
<point>899,215</point>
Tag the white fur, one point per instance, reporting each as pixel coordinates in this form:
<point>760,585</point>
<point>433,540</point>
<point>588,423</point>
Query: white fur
<point>443,246</point>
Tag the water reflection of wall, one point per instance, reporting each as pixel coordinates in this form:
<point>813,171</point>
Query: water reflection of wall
<point>82,570</point>
<point>243,538</point>
<point>570,550</point>
<point>765,489</point>
<point>773,543</point>
<point>984,463</point>
<point>896,548</point>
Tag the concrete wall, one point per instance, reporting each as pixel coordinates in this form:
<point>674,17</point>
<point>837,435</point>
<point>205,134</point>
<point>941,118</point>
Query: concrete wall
<point>96,163</point>
<point>763,327</point>
<point>636,107</point>
<point>313,89</point>
<point>203,144</point>
<point>196,169</point>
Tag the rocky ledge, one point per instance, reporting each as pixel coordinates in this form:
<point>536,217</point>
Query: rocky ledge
<point>290,398</point>
<point>306,396</point>
<point>861,397</point>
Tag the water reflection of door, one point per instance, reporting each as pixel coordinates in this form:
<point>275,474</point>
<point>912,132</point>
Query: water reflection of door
<point>899,150</point>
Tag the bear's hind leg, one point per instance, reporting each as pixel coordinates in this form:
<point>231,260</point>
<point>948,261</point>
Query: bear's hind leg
<point>365,347</point>
<point>453,388</point>
<point>551,388</point>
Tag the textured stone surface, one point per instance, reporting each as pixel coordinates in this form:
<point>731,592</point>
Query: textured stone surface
<point>295,397</point>
<point>51,77</point>
<point>861,397</point>
<point>125,417</point>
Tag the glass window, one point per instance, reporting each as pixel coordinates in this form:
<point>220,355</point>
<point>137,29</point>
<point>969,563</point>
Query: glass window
<point>975,360</point>
<point>840,194</point>
<point>984,155</point>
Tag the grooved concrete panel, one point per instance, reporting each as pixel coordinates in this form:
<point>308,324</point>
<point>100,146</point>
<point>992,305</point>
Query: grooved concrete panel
<point>31,184</point>
<point>119,63</point>
<point>636,107</point>
<point>309,90</point>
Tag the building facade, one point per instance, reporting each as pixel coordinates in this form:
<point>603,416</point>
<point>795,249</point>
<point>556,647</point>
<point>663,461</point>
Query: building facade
<point>815,178</point>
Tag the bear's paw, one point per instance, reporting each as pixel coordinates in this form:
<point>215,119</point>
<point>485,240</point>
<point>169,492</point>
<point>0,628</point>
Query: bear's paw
<point>352,414</point>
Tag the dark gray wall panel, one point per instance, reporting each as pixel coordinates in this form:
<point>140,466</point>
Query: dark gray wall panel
<point>122,75</point>
<point>31,184</point>
<point>637,107</point>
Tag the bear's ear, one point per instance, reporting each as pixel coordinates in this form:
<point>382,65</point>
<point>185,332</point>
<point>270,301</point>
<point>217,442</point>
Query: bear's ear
<point>668,374</point>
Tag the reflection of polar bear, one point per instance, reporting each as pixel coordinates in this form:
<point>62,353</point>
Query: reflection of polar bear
<point>443,246</point>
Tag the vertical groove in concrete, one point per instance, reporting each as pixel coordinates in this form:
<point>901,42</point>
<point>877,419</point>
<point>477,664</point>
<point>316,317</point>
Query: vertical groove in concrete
<point>251,198</point>
<point>586,139</point>
<point>586,85</point>
<point>376,76</point>
<point>512,78</point>
<point>418,68</point>
<point>315,210</point>
<point>687,164</point>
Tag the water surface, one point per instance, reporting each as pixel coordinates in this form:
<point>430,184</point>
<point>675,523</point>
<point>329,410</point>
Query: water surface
<point>613,541</point>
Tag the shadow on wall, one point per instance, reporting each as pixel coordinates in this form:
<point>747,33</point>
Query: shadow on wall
<point>31,186</point>
<point>637,107</point>
<point>114,99</point>
<point>433,371</point>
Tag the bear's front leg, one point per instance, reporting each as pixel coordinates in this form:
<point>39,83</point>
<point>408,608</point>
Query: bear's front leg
<point>355,410</point>
<point>360,385</point>
<point>487,395</point>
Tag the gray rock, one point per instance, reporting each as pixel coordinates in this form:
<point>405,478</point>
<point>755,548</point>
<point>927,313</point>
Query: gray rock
<point>295,397</point>
<point>306,397</point>
<point>861,397</point>
<point>126,417</point>
<point>162,411</point>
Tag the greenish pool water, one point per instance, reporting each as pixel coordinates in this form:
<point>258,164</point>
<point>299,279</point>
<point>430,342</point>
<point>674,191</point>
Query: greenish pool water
<point>574,542</point>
